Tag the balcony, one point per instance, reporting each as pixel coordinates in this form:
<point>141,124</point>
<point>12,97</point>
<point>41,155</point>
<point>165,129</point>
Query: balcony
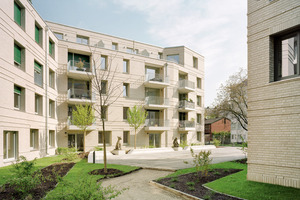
<point>186,86</point>
<point>186,125</point>
<point>72,127</point>
<point>186,106</point>
<point>156,81</point>
<point>156,125</point>
<point>79,70</point>
<point>80,96</point>
<point>158,103</point>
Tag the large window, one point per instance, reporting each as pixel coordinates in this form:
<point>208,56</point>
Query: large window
<point>103,65</point>
<point>52,138</point>
<point>125,66</point>
<point>34,139</point>
<point>10,145</point>
<point>101,136</point>
<point>126,137</point>
<point>38,74</point>
<point>38,104</point>
<point>125,110</point>
<point>287,55</point>
<point>174,58</point>
<point>82,40</point>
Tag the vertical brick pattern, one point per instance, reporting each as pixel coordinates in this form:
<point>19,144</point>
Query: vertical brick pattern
<point>274,107</point>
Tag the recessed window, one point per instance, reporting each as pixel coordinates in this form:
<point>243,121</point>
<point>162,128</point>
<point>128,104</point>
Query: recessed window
<point>198,118</point>
<point>34,139</point>
<point>10,145</point>
<point>125,66</point>
<point>103,87</point>
<point>195,62</point>
<point>51,78</point>
<point>174,58</point>
<point>38,34</point>
<point>51,48</point>
<point>19,102</point>
<point>160,55</point>
<point>38,104</point>
<point>199,136</point>
<point>104,112</point>
<point>114,46</point>
<point>82,40</point>
<point>287,55</point>
<point>125,111</point>
<point>125,137</point>
<point>19,56</point>
<point>103,65</point>
<point>101,136</point>
<point>19,14</point>
<point>198,100</point>
<point>59,36</point>
<point>52,138</point>
<point>131,50</point>
<point>51,108</point>
<point>38,74</point>
<point>199,83</point>
<point>125,89</point>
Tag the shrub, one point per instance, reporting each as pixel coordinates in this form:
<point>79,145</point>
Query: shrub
<point>216,142</point>
<point>201,161</point>
<point>65,150</point>
<point>183,144</point>
<point>190,183</point>
<point>174,179</point>
<point>22,167</point>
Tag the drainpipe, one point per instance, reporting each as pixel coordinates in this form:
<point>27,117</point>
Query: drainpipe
<point>166,111</point>
<point>46,87</point>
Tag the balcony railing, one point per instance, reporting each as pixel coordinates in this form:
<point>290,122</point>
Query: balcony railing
<point>183,104</point>
<point>186,124</point>
<point>80,94</point>
<point>81,66</point>
<point>156,78</point>
<point>156,100</point>
<point>186,83</point>
<point>156,123</point>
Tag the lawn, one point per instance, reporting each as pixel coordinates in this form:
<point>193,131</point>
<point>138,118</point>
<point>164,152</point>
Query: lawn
<point>238,185</point>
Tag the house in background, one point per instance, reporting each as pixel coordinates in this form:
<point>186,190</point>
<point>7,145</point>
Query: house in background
<point>216,125</point>
<point>238,134</point>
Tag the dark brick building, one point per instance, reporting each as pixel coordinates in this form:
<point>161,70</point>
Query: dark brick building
<point>216,125</point>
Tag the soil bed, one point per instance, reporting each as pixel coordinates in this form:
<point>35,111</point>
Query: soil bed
<point>111,173</point>
<point>242,161</point>
<point>48,183</point>
<point>192,183</point>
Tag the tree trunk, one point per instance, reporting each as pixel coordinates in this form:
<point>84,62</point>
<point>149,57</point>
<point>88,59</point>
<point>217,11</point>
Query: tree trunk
<point>104,147</point>
<point>84,134</point>
<point>134,138</point>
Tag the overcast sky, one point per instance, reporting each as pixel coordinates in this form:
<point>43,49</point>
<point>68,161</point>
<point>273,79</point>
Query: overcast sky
<point>217,29</point>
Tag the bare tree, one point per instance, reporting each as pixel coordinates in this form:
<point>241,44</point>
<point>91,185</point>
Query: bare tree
<point>232,98</point>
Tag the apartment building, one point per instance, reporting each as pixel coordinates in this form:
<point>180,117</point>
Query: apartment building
<point>274,92</point>
<point>48,68</point>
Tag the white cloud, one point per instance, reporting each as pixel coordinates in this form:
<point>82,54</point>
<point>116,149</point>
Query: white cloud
<point>214,28</point>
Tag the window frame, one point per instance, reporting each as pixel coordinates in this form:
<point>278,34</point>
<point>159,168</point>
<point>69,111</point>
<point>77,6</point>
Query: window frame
<point>38,34</point>
<point>125,89</point>
<point>38,104</point>
<point>100,143</point>
<point>5,148</point>
<point>80,40</point>
<point>51,139</point>
<point>126,66</point>
<point>114,46</point>
<point>51,78</point>
<point>125,113</point>
<point>18,91</point>
<point>34,139</point>
<point>52,47</point>
<point>51,108</point>
<point>195,62</point>
<point>199,99</point>
<point>199,82</point>
<point>103,58</point>
<point>199,116</point>
<point>126,142</point>
<point>37,67</point>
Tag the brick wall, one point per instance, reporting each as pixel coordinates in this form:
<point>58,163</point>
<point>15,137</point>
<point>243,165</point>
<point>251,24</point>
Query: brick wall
<point>219,126</point>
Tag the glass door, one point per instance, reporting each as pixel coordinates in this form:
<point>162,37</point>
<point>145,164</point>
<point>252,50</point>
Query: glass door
<point>154,140</point>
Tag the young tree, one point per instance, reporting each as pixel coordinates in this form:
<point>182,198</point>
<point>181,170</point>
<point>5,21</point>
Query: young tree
<point>83,117</point>
<point>136,117</point>
<point>232,98</point>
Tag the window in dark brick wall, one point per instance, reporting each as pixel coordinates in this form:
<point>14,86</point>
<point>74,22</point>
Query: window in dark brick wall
<point>286,54</point>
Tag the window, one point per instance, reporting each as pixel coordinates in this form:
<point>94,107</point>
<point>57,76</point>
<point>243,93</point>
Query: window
<point>18,104</point>
<point>10,145</point>
<point>51,78</point>
<point>199,136</point>
<point>51,48</point>
<point>160,55</point>
<point>34,139</point>
<point>131,50</point>
<point>38,74</point>
<point>101,137</point>
<point>198,100</point>
<point>82,40</point>
<point>125,89</point>
<point>114,46</point>
<point>38,34</point>
<point>126,137</point>
<point>199,83</point>
<point>174,58</point>
<point>104,113</point>
<point>38,104</point>
<point>103,63</point>
<point>125,66</point>
<point>103,87</point>
<point>52,138</point>
<point>59,36</point>
<point>198,118</point>
<point>19,14</point>
<point>287,56</point>
<point>125,111</point>
<point>51,108</point>
<point>195,62</point>
<point>19,56</point>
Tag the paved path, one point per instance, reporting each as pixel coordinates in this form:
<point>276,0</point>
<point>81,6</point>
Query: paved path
<point>139,187</point>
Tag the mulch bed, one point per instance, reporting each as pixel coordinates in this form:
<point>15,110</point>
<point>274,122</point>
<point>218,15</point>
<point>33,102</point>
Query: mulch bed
<point>111,173</point>
<point>242,161</point>
<point>180,183</point>
<point>49,173</point>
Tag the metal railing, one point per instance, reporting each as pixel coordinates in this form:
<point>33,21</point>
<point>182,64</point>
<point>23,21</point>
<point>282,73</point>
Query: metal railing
<point>186,104</point>
<point>76,65</point>
<point>156,100</point>
<point>186,124</point>
<point>187,83</point>
<point>80,94</point>
<point>156,78</point>
<point>156,123</point>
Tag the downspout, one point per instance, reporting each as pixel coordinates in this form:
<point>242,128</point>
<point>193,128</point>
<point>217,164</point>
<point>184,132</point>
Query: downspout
<point>46,87</point>
<point>166,110</point>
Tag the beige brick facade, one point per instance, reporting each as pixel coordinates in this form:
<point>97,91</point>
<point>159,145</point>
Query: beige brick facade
<point>274,105</point>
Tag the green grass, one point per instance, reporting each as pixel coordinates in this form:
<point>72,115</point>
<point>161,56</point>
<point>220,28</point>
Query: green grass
<point>238,185</point>
<point>81,170</point>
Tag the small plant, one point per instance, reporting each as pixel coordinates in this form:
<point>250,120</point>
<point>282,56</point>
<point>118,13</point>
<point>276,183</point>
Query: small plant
<point>172,185</point>
<point>174,179</point>
<point>209,195</point>
<point>201,161</point>
<point>22,167</point>
<point>190,183</point>
<point>191,188</point>
<point>69,154</point>
<point>226,170</point>
<point>216,142</point>
<point>183,144</point>
<point>217,173</point>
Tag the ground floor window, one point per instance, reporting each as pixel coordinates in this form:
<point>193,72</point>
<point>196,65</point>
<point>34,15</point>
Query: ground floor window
<point>183,138</point>
<point>34,139</point>
<point>10,144</point>
<point>125,137</point>
<point>101,136</point>
<point>154,140</point>
<point>52,138</point>
<point>75,140</point>
<point>199,136</point>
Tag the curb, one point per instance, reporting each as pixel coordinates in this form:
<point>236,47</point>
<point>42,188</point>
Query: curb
<point>222,193</point>
<point>160,169</point>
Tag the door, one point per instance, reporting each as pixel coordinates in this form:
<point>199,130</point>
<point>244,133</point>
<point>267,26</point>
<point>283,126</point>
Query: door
<point>75,140</point>
<point>154,140</point>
